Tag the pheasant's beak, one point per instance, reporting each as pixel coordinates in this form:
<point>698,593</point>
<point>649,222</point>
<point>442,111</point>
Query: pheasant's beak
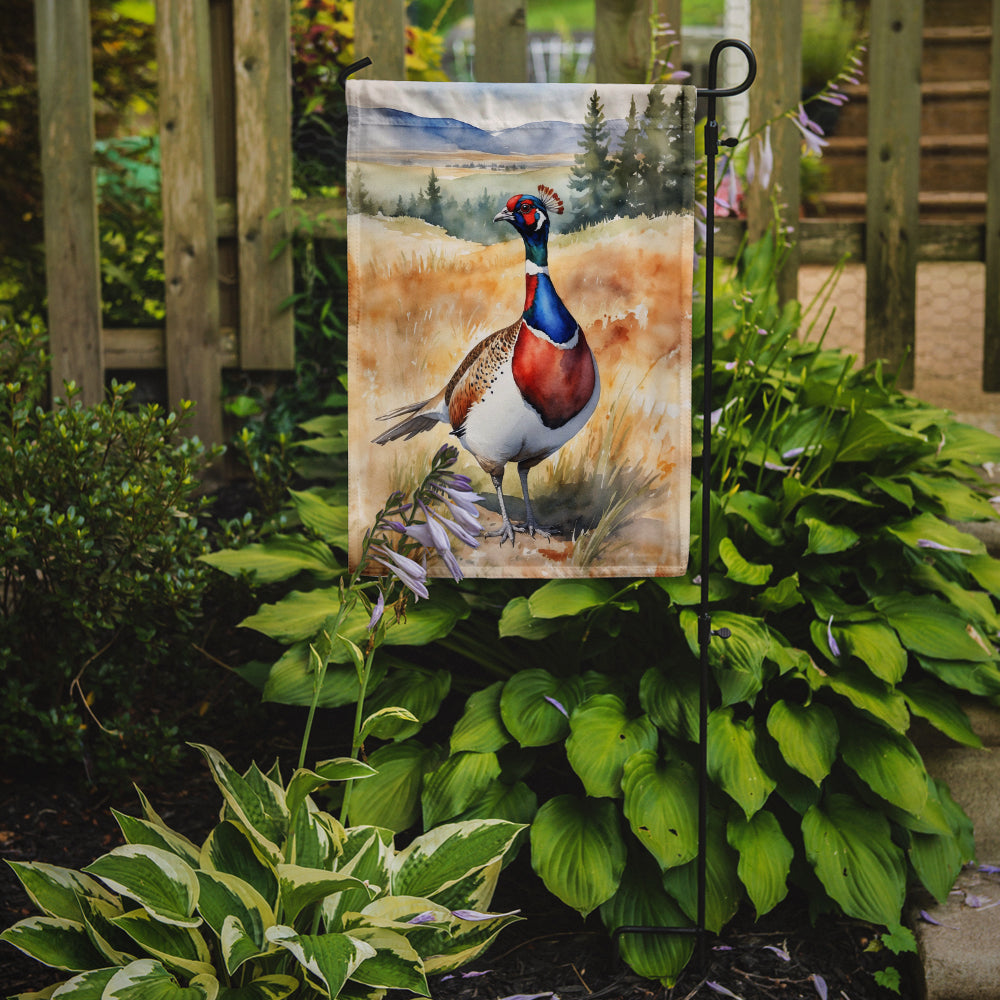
<point>504,215</point>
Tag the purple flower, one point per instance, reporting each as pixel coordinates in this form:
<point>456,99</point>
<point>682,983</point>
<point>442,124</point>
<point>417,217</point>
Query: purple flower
<point>427,917</point>
<point>780,952</point>
<point>927,543</point>
<point>377,611</point>
<point>719,988</point>
<point>558,705</point>
<point>820,983</point>
<point>409,572</point>
<point>760,166</point>
<point>811,132</point>
<point>475,915</point>
<point>457,530</point>
<point>834,648</point>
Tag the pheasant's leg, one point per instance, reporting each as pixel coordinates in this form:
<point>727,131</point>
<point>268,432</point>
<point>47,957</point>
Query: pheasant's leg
<point>530,524</point>
<point>507,531</point>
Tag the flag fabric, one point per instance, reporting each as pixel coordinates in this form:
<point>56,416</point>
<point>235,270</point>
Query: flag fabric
<point>520,268</point>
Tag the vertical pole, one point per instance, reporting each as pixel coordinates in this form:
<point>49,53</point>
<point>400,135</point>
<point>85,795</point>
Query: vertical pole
<point>190,250</point>
<point>621,40</point>
<point>72,256</point>
<point>776,33</point>
<point>380,33</point>
<point>991,333</point>
<point>893,184</point>
<point>501,41</point>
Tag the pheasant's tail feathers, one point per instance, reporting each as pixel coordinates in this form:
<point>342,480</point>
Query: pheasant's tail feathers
<point>415,424</point>
<point>550,199</point>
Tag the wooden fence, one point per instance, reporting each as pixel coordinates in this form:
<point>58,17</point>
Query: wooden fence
<point>226,161</point>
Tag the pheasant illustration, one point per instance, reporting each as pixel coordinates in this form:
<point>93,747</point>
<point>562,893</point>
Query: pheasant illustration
<point>522,392</point>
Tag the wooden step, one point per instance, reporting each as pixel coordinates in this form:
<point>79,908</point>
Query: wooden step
<point>945,104</point>
<point>940,13</point>
<point>956,53</point>
<point>958,206</point>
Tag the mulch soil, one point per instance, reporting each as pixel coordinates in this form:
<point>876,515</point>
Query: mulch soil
<point>60,821</point>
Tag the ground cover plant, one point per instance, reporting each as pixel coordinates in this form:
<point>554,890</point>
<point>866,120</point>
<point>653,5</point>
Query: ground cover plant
<point>855,604</point>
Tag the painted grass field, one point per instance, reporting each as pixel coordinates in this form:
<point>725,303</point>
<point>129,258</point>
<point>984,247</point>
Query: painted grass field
<point>620,489</point>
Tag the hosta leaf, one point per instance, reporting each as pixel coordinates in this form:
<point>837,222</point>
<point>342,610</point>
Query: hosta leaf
<point>866,692</point>
<point>807,736</point>
<point>327,520</point>
<point>641,901</point>
<point>936,704</point>
<point>530,706</point>
<point>147,979</point>
<point>142,831</point>
<point>465,941</point>
<point>661,798</point>
<point>870,435</point>
<point>98,916</point>
<point>304,782</point>
<point>481,728</point>
<point>441,857</point>
<point>301,887</point>
<point>578,851</point>
<point>230,849</point>
<point>86,986</point>
<point>273,987</point>
<point>738,661</point>
<point>602,738</point>
<point>937,859</point>
<point>54,941</point>
<point>391,798</point>
<point>180,948</point>
<point>739,569</point>
<point>366,855</point>
<point>291,680</point>
<point>517,620</point>
<point>560,598</point>
<point>765,858</point>
<point>850,848</point>
<point>932,628</point>
<point>417,690</point>
<point>279,558</point>
<point>976,605</point>
<point>965,443</point>
<point>876,646</point>
<point>758,511</point>
<point>783,595</point>
<point>888,763</point>
<point>827,539</point>
<point>56,891</point>
<point>456,784</point>
<point>732,760</point>
<point>395,964</point>
<point>387,723</point>
<point>956,500</point>
<point>723,889</point>
<point>516,803</point>
<point>976,678</point>
<point>671,699</point>
<point>225,897</point>
<point>986,571</point>
<point>159,881</point>
<point>928,528</point>
<point>330,959</point>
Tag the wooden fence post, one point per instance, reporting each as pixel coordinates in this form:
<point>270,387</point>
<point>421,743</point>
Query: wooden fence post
<point>991,332</point>
<point>262,60</point>
<point>190,251</point>
<point>72,255</point>
<point>501,41</point>
<point>776,35</point>
<point>621,40</point>
<point>380,34</point>
<point>893,183</point>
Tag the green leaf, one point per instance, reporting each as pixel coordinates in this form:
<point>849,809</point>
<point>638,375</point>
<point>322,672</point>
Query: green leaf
<point>385,723</point>
<point>661,798</point>
<point>395,964</point>
<point>641,901</point>
<point>783,595</point>
<point>181,948</point>
<point>481,727</point>
<point>527,711</point>
<point>304,782</point>
<point>937,859</point>
<point>223,897</point>
<point>928,528</point>
<point>391,798</point>
<point>976,678</point>
<point>560,598</point>
<point>601,739</point>
<point>54,941</point>
<point>807,736</point>
<point>956,500</point>
<point>870,435</point>
<point>876,646</point>
<point>888,763</point>
<point>932,628</point>
<point>330,959</point>
<point>578,851</point>
<point>164,885</point>
<point>147,979</point>
<point>738,662</point>
<point>438,859</point>
<point>142,831</point>
<point>292,680</point>
<point>765,858</point>
<point>56,891</point>
<point>850,848</point>
<point>230,849</point>
<point>301,887</point>
<point>986,571</point>
<point>941,709</point>
<point>417,690</point>
<point>456,784</point>
<point>273,987</point>
<point>739,569</point>
<point>327,520</point>
<point>517,620</point>
<point>866,692</point>
<point>828,539</point>
<point>732,760</point>
<point>516,803</point>
<point>671,700</point>
<point>760,512</point>
<point>86,986</point>
<point>279,558</point>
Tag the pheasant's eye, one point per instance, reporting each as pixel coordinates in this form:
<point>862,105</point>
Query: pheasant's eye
<point>525,206</point>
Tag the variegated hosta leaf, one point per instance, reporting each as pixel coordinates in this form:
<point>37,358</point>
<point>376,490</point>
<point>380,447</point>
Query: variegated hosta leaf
<point>54,941</point>
<point>642,902</point>
<point>238,944</point>
<point>158,880</point>
<point>456,784</point>
<point>765,858</point>
<point>441,857</point>
<point>475,891</point>
<point>256,801</point>
<point>315,838</point>
<point>732,760</point>
<point>367,853</point>
<point>56,891</point>
<point>329,959</point>
<point>481,727</point>
<point>395,964</point>
<point>807,736</point>
<point>225,897</point>
<point>86,986</point>
<point>230,849</point>
<point>177,947</point>
<point>116,946</point>
<point>273,987</point>
<point>661,800</point>
<point>602,737</point>
<point>851,849</point>
<point>304,782</point>
<point>300,887</point>
<point>578,851</point>
<point>141,831</point>
<point>147,979</point>
<point>468,939</point>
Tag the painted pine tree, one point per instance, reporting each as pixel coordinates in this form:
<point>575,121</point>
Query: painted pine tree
<point>590,174</point>
<point>624,198</point>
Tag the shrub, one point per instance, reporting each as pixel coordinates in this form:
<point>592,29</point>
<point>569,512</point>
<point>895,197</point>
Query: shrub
<point>280,899</point>
<point>99,540</point>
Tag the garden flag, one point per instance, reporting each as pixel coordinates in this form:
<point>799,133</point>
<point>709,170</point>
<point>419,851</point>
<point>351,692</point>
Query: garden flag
<point>520,263</point>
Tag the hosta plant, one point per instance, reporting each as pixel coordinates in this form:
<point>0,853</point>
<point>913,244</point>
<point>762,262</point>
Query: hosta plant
<point>279,900</point>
